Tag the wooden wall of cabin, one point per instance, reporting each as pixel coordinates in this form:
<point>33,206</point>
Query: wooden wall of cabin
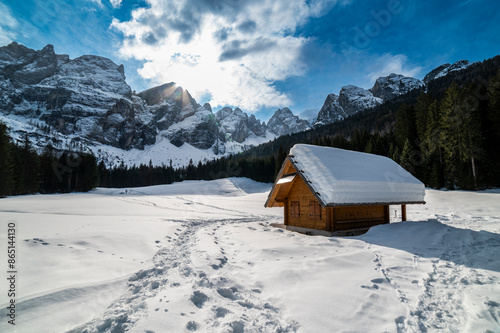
<point>299,192</point>
<point>332,218</point>
<point>353,217</point>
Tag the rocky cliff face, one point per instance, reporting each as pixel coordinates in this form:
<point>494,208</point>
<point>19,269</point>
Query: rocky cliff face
<point>352,99</point>
<point>394,85</point>
<point>283,122</point>
<point>331,111</point>
<point>89,98</point>
<point>177,116</point>
<point>236,125</point>
<point>445,69</point>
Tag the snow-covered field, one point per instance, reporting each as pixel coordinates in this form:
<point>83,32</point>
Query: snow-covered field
<point>202,256</point>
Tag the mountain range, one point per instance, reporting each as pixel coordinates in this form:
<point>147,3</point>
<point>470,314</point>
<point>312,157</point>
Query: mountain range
<point>86,104</point>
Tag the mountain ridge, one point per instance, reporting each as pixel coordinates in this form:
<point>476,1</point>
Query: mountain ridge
<point>86,102</point>
<point>352,99</point>
<point>87,99</point>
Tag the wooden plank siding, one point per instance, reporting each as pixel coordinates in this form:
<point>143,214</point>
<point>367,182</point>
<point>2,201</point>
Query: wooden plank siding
<point>353,217</point>
<point>287,210</point>
<point>329,218</point>
<point>309,214</point>
<point>301,193</point>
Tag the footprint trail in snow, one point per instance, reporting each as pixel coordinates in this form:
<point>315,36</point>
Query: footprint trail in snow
<point>215,302</point>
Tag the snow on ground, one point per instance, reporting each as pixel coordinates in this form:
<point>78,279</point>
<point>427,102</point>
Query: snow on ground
<point>202,256</point>
<point>161,153</point>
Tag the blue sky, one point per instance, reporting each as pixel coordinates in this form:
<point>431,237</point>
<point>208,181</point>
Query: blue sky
<point>260,55</point>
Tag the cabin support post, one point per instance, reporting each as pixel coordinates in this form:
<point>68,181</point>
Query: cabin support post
<point>287,211</point>
<point>387,218</point>
<point>403,212</point>
<point>329,219</point>
<point>334,219</point>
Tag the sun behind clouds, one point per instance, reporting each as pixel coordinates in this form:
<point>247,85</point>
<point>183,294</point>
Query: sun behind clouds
<point>234,59</point>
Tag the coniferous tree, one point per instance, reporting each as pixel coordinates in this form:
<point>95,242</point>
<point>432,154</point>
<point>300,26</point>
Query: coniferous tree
<point>405,159</point>
<point>435,178</point>
<point>450,135</point>
<point>48,179</point>
<point>431,146</point>
<point>405,128</point>
<point>279,160</point>
<point>190,172</point>
<point>470,131</point>
<point>88,172</point>
<point>6,172</point>
<point>423,114</point>
<point>492,129</point>
<point>26,167</point>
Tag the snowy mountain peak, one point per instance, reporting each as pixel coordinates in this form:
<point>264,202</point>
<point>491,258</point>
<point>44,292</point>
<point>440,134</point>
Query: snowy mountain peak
<point>15,54</point>
<point>207,106</point>
<point>445,69</point>
<point>285,122</point>
<point>26,66</point>
<point>167,92</point>
<point>331,111</point>
<point>353,99</point>
<point>237,126</point>
<point>87,100</point>
<point>284,112</point>
<point>394,85</point>
<point>224,113</point>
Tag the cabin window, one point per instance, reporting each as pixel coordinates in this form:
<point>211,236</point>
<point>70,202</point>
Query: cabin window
<point>295,209</point>
<point>314,210</point>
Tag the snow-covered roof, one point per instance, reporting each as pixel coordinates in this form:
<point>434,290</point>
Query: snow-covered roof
<point>339,177</point>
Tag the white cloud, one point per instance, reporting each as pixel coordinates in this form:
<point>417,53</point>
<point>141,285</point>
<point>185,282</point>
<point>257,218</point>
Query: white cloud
<point>116,3</point>
<point>8,25</point>
<point>97,2</point>
<point>388,63</point>
<point>232,51</point>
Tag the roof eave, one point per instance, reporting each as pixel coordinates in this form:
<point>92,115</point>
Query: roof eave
<point>332,204</point>
<point>278,177</point>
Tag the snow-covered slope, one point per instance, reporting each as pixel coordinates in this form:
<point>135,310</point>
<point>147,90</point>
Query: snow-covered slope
<point>205,256</point>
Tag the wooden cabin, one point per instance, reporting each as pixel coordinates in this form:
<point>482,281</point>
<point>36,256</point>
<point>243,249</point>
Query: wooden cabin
<point>333,191</point>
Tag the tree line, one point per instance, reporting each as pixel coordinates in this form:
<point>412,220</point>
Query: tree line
<point>24,171</point>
